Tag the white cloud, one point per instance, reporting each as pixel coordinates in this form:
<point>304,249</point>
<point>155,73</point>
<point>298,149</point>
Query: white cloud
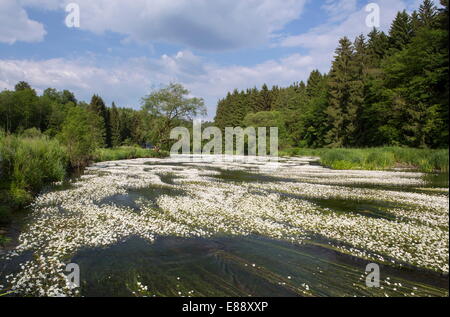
<point>199,24</point>
<point>15,25</point>
<point>126,82</point>
<point>338,9</point>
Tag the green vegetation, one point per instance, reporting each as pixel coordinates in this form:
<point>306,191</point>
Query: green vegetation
<point>27,164</point>
<point>31,161</point>
<point>424,160</point>
<point>126,153</point>
<point>44,138</point>
<point>382,90</point>
<point>82,135</point>
<point>172,108</point>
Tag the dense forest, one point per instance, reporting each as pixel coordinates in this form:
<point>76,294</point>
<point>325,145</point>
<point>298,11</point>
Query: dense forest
<point>382,90</point>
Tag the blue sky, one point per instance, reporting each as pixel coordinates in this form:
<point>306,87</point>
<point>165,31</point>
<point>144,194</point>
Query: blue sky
<point>124,49</point>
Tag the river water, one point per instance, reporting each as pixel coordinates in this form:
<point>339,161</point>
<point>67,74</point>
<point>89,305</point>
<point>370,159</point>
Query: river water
<point>178,227</point>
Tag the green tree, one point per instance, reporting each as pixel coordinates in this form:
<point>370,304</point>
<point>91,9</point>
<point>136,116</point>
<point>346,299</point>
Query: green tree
<point>170,105</point>
<point>377,47</point>
<point>98,107</point>
<point>417,79</point>
<point>345,96</point>
<point>427,14</point>
<point>313,84</point>
<point>262,101</point>
<point>115,126</point>
<point>401,32</point>
<point>82,134</point>
<point>22,85</point>
<point>269,119</point>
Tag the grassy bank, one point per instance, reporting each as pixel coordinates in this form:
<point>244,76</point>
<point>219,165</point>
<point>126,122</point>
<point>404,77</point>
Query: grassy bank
<point>29,163</point>
<point>126,153</point>
<point>424,160</point>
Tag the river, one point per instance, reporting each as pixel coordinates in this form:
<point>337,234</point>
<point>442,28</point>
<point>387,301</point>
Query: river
<point>177,227</point>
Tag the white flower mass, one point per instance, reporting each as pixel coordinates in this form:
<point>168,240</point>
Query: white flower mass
<point>195,199</point>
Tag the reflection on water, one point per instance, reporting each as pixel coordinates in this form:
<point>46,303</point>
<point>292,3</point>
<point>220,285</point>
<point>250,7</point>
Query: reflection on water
<point>437,180</point>
<point>239,266</point>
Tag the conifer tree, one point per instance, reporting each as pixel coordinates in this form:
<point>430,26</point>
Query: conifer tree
<point>262,100</point>
<point>340,93</point>
<point>427,13</point>
<point>416,24</point>
<point>313,83</point>
<point>401,32</point>
<point>98,107</point>
<point>115,126</point>
<point>377,47</point>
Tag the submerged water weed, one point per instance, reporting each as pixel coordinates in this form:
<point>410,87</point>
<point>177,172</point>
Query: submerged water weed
<point>206,205</point>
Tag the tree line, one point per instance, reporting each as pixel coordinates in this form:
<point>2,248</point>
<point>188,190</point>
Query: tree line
<point>84,127</point>
<point>22,109</point>
<point>382,89</point>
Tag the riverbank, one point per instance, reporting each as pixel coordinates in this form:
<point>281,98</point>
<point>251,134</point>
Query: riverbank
<point>385,158</point>
<point>29,164</point>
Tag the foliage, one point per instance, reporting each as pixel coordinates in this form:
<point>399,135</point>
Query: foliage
<point>170,105</point>
<point>384,90</point>
<point>126,153</point>
<point>382,158</point>
<point>28,164</point>
<point>269,119</point>
<point>82,133</point>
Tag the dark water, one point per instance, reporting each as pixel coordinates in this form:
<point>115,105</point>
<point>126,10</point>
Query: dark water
<point>437,180</point>
<point>238,266</point>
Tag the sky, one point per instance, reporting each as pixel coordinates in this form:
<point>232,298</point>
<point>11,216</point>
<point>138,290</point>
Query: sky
<point>124,50</point>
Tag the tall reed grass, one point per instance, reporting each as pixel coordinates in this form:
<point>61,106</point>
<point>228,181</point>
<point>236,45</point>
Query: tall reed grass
<point>27,164</point>
<point>425,160</point>
<point>126,153</point>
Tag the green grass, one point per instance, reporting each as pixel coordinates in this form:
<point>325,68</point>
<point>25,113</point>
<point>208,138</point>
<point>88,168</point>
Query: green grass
<point>126,153</point>
<point>424,160</point>
<point>27,164</point>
